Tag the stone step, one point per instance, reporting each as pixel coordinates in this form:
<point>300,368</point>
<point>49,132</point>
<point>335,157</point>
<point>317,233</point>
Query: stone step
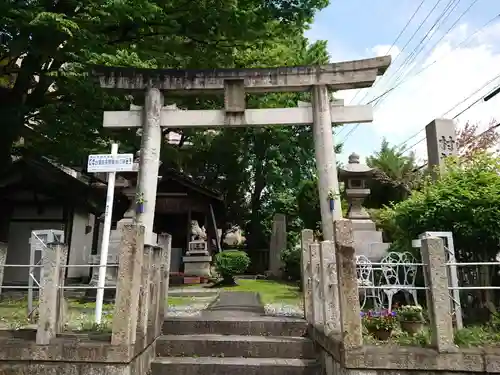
<point>235,346</point>
<point>234,366</point>
<point>248,326</point>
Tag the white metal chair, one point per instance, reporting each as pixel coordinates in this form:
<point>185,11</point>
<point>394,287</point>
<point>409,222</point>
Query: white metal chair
<point>399,271</point>
<point>365,276</point>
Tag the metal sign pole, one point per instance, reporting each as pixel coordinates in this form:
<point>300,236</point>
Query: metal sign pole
<point>105,240</point>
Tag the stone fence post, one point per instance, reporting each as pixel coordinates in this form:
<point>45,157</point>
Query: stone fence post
<point>130,260</point>
<point>317,288</point>
<point>50,310</point>
<point>165,241</point>
<point>438,295</point>
<point>3,259</point>
<point>307,238</point>
<point>144,295</point>
<point>155,313</point>
<point>350,312</point>
<point>329,282</point>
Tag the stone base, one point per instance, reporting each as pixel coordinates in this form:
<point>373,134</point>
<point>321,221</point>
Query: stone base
<point>197,265</point>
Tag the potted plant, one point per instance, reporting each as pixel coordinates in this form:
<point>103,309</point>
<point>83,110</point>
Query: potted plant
<point>380,324</point>
<point>411,318</point>
<point>139,203</point>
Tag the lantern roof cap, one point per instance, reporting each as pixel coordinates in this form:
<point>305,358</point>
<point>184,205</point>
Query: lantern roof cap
<point>355,168</point>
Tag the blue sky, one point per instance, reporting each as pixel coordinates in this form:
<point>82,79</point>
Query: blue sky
<point>458,60</point>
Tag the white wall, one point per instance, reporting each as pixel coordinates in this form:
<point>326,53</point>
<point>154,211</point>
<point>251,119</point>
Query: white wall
<point>81,244</point>
<point>18,251</point>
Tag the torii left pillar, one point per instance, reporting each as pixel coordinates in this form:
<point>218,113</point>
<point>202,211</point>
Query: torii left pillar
<point>325,160</point>
<point>149,161</point>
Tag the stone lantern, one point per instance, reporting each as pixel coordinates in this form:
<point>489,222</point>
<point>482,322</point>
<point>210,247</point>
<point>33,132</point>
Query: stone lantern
<point>356,176</point>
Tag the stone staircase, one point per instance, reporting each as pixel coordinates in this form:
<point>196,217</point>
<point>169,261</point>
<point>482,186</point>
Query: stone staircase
<point>235,345</point>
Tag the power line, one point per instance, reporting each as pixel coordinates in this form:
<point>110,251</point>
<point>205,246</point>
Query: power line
<point>406,60</point>
<point>472,140</point>
<point>412,54</point>
<point>396,40</point>
<point>447,31</point>
<point>451,109</point>
<point>461,44</point>
<point>388,51</point>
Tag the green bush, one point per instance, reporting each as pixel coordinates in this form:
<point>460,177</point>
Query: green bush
<point>230,263</point>
<point>291,263</point>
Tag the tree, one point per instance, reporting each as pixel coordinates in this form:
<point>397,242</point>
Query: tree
<point>470,142</point>
<point>395,175</point>
<point>464,200</point>
<point>47,46</point>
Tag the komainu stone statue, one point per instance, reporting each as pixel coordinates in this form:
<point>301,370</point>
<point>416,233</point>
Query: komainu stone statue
<point>197,232</point>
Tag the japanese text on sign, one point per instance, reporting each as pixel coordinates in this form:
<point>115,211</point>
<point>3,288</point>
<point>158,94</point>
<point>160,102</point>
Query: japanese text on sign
<point>110,163</point>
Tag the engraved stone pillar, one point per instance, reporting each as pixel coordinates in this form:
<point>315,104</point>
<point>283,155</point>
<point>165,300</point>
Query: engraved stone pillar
<point>306,240</point>
<point>144,296</point>
<point>165,241</point>
<point>128,285</point>
<point>154,318</point>
<point>438,295</point>
<point>350,318</point>
<point>441,141</point>
<point>277,245</point>
<point>3,259</point>
<point>48,295</point>
<point>317,293</point>
<point>62,306</point>
<point>329,285</point>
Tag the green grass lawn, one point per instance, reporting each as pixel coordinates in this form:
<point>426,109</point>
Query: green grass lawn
<point>14,312</point>
<point>270,291</point>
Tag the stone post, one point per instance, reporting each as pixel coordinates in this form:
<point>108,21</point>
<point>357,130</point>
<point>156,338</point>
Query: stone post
<point>277,245</point>
<point>350,318</point>
<point>329,283</point>
<point>307,238</point>
<point>438,295</point>
<point>128,285</point>
<point>441,141</point>
<point>165,241</point>
<point>325,159</point>
<point>48,307</point>
<point>3,260</point>
<point>149,161</point>
<point>144,294</point>
<point>155,313</point>
<point>62,306</point>
<point>317,292</point>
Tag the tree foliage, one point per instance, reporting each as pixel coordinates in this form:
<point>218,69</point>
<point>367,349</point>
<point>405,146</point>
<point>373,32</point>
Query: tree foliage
<point>470,141</point>
<point>47,46</point>
<point>395,175</point>
<point>464,200</point>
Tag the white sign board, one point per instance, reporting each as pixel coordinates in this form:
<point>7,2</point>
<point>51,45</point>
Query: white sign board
<point>110,163</point>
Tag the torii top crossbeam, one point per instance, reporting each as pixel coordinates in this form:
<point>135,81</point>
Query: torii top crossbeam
<point>337,76</point>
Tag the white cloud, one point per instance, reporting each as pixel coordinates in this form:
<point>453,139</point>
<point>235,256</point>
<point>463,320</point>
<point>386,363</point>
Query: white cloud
<point>457,73</point>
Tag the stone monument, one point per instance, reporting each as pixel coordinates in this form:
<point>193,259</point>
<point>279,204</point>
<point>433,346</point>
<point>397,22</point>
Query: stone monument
<point>367,240</point>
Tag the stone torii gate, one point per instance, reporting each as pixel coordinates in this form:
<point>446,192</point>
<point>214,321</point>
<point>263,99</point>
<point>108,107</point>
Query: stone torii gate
<point>234,84</point>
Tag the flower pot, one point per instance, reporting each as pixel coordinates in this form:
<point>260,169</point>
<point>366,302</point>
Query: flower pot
<point>332,204</point>
<point>381,334</point>
<point>412,327</point>
<point>139,208</point>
